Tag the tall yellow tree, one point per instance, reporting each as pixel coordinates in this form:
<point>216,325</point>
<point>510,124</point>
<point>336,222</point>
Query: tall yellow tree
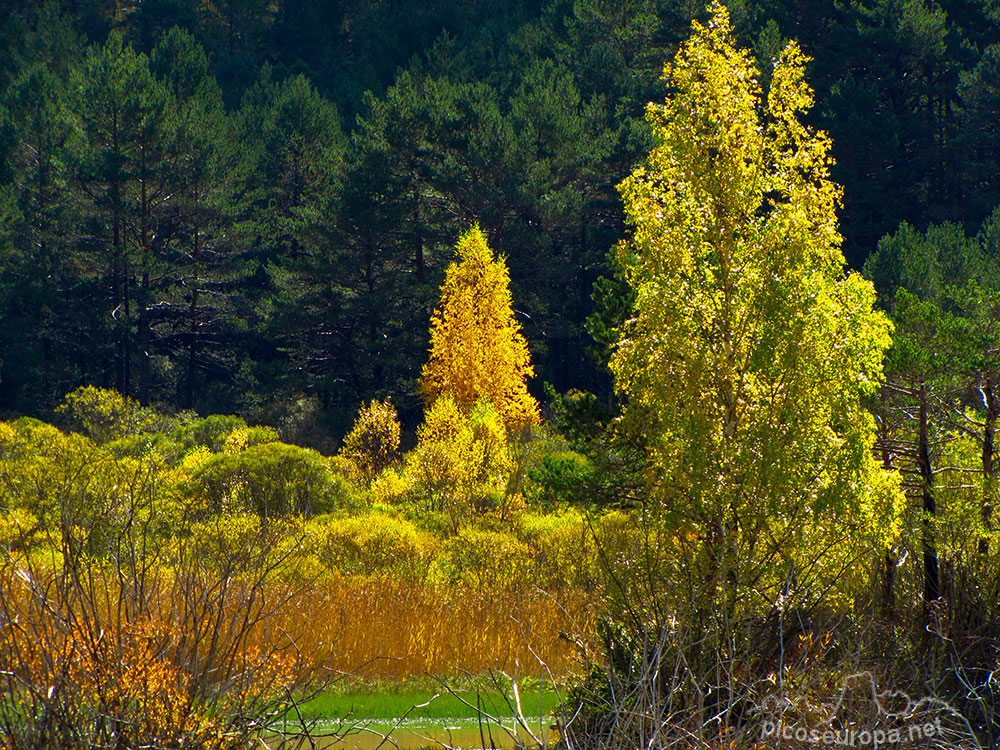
<point>750,347</point>
<point>477,349</point>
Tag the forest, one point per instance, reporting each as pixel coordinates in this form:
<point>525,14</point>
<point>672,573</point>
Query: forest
<point>642,353</point>
<point>248,206</point>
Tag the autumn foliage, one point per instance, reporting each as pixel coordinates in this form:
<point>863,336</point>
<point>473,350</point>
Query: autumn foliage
<point>750,348</point>
<point>373,442</point>
<point>477,349</point>
<point>156,645</point>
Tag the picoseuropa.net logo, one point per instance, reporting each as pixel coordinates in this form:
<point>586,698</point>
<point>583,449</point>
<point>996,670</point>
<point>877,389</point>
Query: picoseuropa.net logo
<point>861,716</point>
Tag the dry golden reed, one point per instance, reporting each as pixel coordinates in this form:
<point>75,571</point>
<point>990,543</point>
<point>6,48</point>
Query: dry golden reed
<point>388,629</point>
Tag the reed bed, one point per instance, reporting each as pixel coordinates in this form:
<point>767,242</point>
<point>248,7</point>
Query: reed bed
<point>389,629</point>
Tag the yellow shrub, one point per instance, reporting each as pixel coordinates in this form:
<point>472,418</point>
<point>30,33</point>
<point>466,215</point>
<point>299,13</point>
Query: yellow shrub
<point>372,444</point>
<point>461,464</point>
<point>390,488</point>
<point>77,490</point>
<point>489,560</point>
<point>7,434</point>
<point>106,414</point>
<point>226,532</point>
<point>269,478</point>
<point>443,421</point>
<point>120,678</point>
<point>18,529</point>
<point>375,543</point>
<point>245,437</point>
<point>564,549</point>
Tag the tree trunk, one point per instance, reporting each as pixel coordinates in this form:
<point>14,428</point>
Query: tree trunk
<point>418,257</point>
<point>932,587</point>
<point>193,324</point>
<point>890,561</point>
<point>144,296</point>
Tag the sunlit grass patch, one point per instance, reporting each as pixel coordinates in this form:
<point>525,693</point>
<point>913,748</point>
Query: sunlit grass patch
<point>422,702</point>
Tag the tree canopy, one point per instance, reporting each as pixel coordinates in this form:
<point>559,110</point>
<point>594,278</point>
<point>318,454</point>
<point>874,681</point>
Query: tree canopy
<point>271,217</point>
<point>477,349</point>
<point>749,349</point>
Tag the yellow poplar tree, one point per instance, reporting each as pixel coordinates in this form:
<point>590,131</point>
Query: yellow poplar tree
<point>477,349</point>
<point>750,348</point>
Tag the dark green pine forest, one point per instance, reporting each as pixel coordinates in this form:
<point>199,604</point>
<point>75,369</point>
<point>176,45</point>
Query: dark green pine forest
<point>247,206</point>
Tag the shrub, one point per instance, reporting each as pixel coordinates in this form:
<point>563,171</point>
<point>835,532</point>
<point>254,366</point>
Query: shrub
<point>245,437</point>
<point>105,414</point>
<point>268,479</point>
<point>461,464</point>
<point>562,477</point>
<point>151,444</point>
<point>127,655</point>
<point>390,488</point>
<point>488,560</point>
<point>563,548</point>
<point>19,528</point>
<point>375,543</point>
<point>66,481</point>
<point>210,432</point>
<point>373,443</point>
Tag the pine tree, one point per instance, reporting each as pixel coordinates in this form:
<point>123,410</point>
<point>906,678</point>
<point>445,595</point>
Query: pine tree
<point>126,172</point>
<point>202,262</point>
<point>477,350</point>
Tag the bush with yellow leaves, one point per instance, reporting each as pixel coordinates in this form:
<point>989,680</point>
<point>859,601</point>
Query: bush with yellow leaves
<point>372,445</point>
<point>270,479</point>
<point>376,543</point>
<point>106,414</point>
<point>461,464</point>
<point>148,644</point>
<point>564,549</point>
<point>488,560</point>
<point>67,481</point>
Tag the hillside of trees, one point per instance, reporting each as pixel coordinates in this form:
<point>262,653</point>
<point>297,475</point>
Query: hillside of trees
<point>647,349</point>
<point>247,206</point>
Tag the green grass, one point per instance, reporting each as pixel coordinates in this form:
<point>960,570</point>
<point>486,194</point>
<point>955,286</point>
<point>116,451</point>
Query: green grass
<point>399,700</point>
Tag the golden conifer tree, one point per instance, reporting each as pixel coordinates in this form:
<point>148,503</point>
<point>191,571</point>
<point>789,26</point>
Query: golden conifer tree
<point>477,349</point>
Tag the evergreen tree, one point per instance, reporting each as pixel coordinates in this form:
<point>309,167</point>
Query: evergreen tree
<point>204,265</point>
<point>943,389</point>
<point>40,284</point>
<point>979,141</point>
<point>284,199</point>
<point>892,70</point>
<point>125,172</point>
<point>374,287</point>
